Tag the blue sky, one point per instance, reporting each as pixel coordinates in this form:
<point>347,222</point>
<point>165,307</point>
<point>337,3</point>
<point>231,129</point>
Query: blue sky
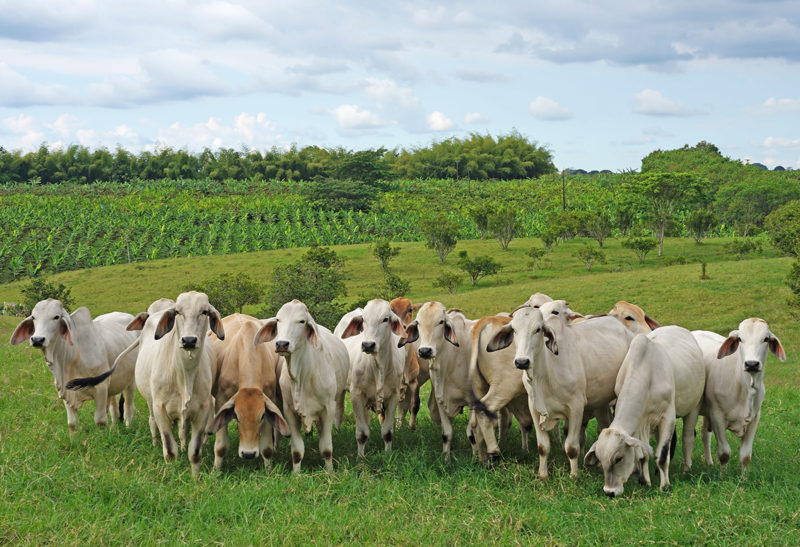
<point>601,84</point>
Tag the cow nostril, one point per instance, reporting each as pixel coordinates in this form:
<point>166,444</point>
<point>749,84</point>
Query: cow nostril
<point>752,365</point>
<point>368,347</point>
<point>610,495</point>
<point>248,455</point>
<point>37,341</point>
<point>425,352</point>
<point>522,364</point>
<point>281,345</point>
<point>189,341</point>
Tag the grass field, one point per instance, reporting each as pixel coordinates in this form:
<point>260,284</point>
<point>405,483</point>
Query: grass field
<point>112,486</point>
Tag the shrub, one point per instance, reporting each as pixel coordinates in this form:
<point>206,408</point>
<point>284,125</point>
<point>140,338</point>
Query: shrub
<point>41,289</point>
<point>384,252</point>
<point>449,280</point>
<point>598,226</point>
<point>589,255</point>
<point>393,285</point>
<point>673,260</point>
<point>503,224</point>
<point>477,267</point>
<point>783,225</point>
<point>740,248</point>
<point>700,223</point>
<point>536,255</point>
<point>229,293</point>
<point>640,245</point>
<point>441,234</point>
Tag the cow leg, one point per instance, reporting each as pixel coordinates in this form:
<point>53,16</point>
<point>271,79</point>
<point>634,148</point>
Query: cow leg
<point>504,425</point>
<point>666,429</point>
<point>128,406</point>
<point>572,444</point>
<point>266,443</point>
<point>165,428</point>
<point>196,440</point>
<point>705,435</point>
<point>387,428</point>
<point>447,432</point>
<point>183,431</point>
<point>718,425</point>
<point>542,437</point>
<point>746,446</point>
<point>113,409</point>
<point>326,439</point>
<point>361,414</point>
<point>339,412</point>
<point>72,417</point>
<point>154,433</point>
<point>101,405</point>
<point>495,401</point>
<point>221,444</point>
<point>433,409</point>
<point>417,402</point>
<point>687,440</point>
<point>476,438</point>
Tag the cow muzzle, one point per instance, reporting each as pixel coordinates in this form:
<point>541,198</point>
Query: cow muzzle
<point>425,352</point>
<point>282,347</point>
<point>37,341</point>
<point>368,347</point>
<point>522,363</point>
<point>189,342</point>
<point>247,454</point>
<point>749,366</point>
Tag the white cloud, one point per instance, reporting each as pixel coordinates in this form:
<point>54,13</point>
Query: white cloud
<point>353,117</point>
<point>64,125</point>
<point>29,136</point>
<point>254,131</point>
<point>653,103</point>
<point>17,90</point>
<point>776,106</point>
<point>226,20</point>
<point>437,121</point>
<point>389,95</point>
<point>548,109</point>
<point>475,117</point>
<point>780,142</point>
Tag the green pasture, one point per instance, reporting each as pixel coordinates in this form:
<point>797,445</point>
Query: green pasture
<point>112,486</point>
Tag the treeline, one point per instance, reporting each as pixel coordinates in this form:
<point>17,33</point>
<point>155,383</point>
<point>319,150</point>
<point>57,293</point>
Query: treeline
<point>476,157</point>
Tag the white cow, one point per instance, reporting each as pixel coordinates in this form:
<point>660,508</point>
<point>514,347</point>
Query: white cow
<point>314,380</point>
<point>569,370</point>
<point>173,372</point>
<point>444,345</point>
<point>735,386</point>
<point>74,346</point>
<point>661,379</point>
<point>376,368</point>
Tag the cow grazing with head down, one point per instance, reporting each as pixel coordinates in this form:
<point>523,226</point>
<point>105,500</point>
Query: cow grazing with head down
<point>314,380</point>
<point>443,343</point>
<point>568,369</point>
<point>735,386</point>
<point>245,388</point>
<point>661,379</point>
<point>173,372</point>
<point>376,368</point>
<point>74,346</point>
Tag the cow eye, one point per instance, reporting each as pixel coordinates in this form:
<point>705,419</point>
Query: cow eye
<point>766,339</point>
<point>302,321</point>
<point>628,318</point>
<point>442,321</point>
<point>617,460</point>
<point>204,312</point>
<point>555,312</point>
<point>385,319</point>
<point>536,307</point>
<point>56,318</point>
<point>537,331</point>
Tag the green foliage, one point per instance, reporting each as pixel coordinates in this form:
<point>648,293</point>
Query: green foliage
<point>746,201</point>
<point>740,248</point>
<point>441,234</point>
<point>674,260</point>
<point>503,224</point>
<point>449,280</point>
<point>640,245</point>
<point>536,255</point>
<point>793,281</point>
<point>598,225</point>
<point>784,228</point>
<point>229,293</point>
<point>384,252</point>
<point>480,214</point>
<point>700,223</point>
<point>367,166</point>
<point>317,279</point>
<point>339,194</point>
<point>393,286</point>
<point>478,267</point>
<point>565,224</point>
<point>39,289</point>
<point>589,256</point>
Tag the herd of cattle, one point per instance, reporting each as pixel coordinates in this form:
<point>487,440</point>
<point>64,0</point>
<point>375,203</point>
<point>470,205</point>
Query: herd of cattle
<point>542,364</point>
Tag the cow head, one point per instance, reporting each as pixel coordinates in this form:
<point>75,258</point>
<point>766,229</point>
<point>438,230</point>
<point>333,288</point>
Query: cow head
<point>377,322</point>
<point>404,309</point>
<point>617,452</point>
<point>48,323</point>
<point>752,340</point>
<point>433,328</point>
<point>530,332</point>
<point>190,317</point>
<point>291,329</point>
<point>633,318</point>
<point>560,309</point>
<point>252,409</point>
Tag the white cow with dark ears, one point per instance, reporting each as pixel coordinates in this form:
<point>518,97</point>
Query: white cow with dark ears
<point>74,346</point>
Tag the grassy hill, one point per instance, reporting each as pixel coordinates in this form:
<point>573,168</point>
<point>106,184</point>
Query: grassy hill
<point>113,485</point>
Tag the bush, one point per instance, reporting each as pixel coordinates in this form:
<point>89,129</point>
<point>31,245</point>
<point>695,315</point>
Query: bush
<point>589,255</point>
<point>673,260</point>
<point>41,289</point>
<point>230,293</point>
<point>480,266</point>
<point>337,194</point>
<point>598,226</point>
<point>393,285</point>
<point>384,252</point>
<point>700,223</point>
<point>441,234</point>
<point>640,245</point>
<point>449,280</point>
<point>536,255</point>
<point>740,248</point>
<point>783,225</point>
<point>316,279</point>
<point>503,224</point>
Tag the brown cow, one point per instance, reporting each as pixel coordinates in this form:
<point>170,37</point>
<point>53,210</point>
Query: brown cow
<point>415,373</point>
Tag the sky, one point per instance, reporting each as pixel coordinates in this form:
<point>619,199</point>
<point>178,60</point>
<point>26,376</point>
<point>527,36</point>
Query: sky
<point>601,84</point>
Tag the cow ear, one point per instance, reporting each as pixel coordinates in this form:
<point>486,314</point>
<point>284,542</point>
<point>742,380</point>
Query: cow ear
<point>450,333</point>
<point>415,308</point>
<point>652,323</point>
<point>311,334</point>
<point>23,332</point>
<point>267,332</point>
<point>591,456</point>
<point>502,339</point>
<point>215,322</point>
<point>573,316</point>
<point>224,415</point>
<point>412,334</point>
<point>776,348</point>
<point>730,345</point>
<point>354,327</point>
<point>633,442</point>
<point>397,325</point>
<point>519,308</point>
<point>64,330</point>
<point>550,341</point>
<point>138,321</point>
<point>275,416</point>
<point>165,323</point>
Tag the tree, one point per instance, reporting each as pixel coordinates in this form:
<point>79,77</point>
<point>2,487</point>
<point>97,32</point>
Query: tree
<point>783,225</point>
<point>598,226</point>
<point>441,234</point>
<point>384,252</point>
<point>317,279</point>
<point>640,245</point>
<point>477,267</point>
<point>537,255</point>
<point>480,215</point>
<point>665,195</point>
<point>230,293</point>
<point>503,224</point>
<point>589,255</point>
<point>41,289</point>
<point>449,280</point>
<point>700,223</point>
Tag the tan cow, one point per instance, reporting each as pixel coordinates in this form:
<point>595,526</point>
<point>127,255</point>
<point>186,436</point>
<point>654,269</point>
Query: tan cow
<point>633,317</point>
<point>245,387</point>
<point>415,373</point>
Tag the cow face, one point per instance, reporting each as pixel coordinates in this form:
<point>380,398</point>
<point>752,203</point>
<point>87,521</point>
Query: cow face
<point>252,409</point>
<point>617,452</point>
<point>633,318</point>
<point>48,323</point>
<point>530,332</point>
<point>753,340</point>
<point>190,317</point>
<point>559,309</point>
<point>404,309</point>
<point>377,322</point>
<point>433,328</point>
<point>291,329</point>
<point>537,299</point>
